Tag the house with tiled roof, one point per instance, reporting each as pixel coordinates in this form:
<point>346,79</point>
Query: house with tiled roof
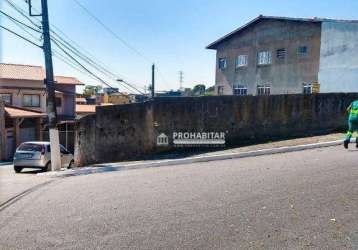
<point>23,91</point>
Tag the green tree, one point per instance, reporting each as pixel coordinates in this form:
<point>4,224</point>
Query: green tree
<point>198,90</point>
<point>91,90</point>
<point>210,91</point>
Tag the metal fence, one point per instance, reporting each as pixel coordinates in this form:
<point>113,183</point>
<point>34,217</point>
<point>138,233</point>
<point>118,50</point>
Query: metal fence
<point>67,138</point>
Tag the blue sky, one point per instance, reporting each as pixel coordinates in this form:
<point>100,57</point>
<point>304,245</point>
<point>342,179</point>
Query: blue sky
<point>170,32</point>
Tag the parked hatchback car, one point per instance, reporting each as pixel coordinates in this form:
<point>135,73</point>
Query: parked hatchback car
<point>38,155</point>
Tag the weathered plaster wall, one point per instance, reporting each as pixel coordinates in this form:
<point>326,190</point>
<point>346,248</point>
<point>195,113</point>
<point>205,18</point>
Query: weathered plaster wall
<point>339,57</point>
<point>85,146</point>
<point>123,132</point>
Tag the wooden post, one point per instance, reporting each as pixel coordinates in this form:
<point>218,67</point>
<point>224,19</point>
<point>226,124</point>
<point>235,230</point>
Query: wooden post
<point>17,132</point>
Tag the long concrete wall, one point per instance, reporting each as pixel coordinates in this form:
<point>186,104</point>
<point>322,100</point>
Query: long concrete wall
<point>124,132</point>
<point>339,57</point>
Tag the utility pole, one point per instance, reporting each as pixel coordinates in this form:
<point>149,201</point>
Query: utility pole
<point>153,81</point>
<point>50,88</point>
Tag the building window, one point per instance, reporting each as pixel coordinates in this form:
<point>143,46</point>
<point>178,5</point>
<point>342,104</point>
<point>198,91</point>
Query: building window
<point>31,100</point>
<point>220,90</point>
<point>222,63</point>
<point>307,89</point>
<point>281,54</point>
<point>240,90</point>
<point>241,61</point>
<point>303,51</point>
<point>7,98</point>
<point>263,90</point>
<point>264,58</point>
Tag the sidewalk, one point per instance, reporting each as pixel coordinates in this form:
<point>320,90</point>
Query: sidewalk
<point>279,144</point>
<point>186,158</point>
<point>268,145</point>
<point>13,185</point>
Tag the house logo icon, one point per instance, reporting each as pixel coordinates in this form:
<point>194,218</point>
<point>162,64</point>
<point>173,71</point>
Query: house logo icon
<point>162,140</point>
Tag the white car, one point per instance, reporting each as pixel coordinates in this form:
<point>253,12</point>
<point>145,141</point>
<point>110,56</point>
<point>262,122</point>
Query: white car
<point>38,155</point>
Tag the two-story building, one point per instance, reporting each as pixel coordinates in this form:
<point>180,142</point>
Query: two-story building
<point>280,55</point>
<point>23,92</point>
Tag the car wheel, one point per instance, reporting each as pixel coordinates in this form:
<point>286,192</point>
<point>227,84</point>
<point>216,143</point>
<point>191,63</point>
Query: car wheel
<point>17,169</point>
<point>72,165</point>
<point>47,167</point>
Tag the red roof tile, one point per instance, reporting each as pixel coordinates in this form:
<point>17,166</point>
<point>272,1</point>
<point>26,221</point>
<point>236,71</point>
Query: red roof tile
<point>30,72</point>
<point>81,99</point>
<point>85,108</point>
<point>67,80</point>
<point>14,112</point>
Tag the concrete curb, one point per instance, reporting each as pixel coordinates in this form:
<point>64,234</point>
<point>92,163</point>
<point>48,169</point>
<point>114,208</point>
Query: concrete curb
<point>101,168</point>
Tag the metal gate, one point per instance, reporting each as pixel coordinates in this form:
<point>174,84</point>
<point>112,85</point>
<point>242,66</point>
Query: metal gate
<point>10,143</point>
<point>27,134</point>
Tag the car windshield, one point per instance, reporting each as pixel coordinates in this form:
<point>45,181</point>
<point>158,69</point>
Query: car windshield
<point>30,147</point>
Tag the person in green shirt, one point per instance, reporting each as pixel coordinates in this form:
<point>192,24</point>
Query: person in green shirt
<point>352,123</point>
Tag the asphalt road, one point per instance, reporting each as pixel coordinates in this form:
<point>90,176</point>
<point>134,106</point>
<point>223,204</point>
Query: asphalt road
<point>13,185</point>
<point>301,200</point>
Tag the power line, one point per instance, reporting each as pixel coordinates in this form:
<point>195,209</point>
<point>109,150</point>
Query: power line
<point>70,47</point>
<point>55,53</point>
<point>80,64</point>
<point>21,12</point>
<point>20,36</point>
<point>118,37</point>
<point>92,63</point>
<point>99,62</point>
<point>112,32</point>
<point>65,60</point>
<point>62,58</point>
<point>19,22</point>
<point>95,61</point>
<point>25,30</point>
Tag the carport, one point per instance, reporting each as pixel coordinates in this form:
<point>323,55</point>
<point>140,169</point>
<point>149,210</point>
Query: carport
<point>20,125</point>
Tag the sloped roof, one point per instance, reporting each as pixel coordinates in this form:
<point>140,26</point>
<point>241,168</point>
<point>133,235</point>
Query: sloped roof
<point>89,108</point>
<point>81,99</point>
<point>21,72</point>
<point>67,80</point>
<point>261,17</point>
<point>15,112</point>
<point>31,73</point>
<point>83,108</point>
